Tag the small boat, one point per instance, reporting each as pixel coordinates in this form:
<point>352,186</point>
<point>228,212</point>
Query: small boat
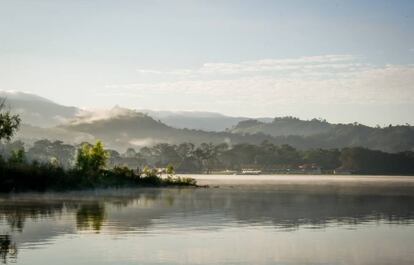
<point>224,172</point>
<point>250,172</point>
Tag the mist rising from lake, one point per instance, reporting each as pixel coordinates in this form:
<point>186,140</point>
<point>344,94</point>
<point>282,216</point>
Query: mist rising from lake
<point>245,220</point>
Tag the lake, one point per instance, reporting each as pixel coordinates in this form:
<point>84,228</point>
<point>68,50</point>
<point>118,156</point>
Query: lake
<point>238,220</point>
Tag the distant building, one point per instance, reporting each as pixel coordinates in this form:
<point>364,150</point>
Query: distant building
<point>309,169</point>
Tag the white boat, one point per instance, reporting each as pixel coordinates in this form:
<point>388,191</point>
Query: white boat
<point>250,172</point>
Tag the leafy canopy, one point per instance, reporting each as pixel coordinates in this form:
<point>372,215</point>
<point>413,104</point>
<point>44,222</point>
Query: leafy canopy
<point>8,123</point>
<point>92,158</point>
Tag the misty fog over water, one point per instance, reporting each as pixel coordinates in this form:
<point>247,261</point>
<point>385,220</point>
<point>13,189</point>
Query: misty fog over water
<point>273,220</point>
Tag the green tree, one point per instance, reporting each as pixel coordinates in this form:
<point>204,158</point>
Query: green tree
<point>8,123</point>
<point>17,156</point>
<point>92,158</point>
<point>326,158</point>
<point>46,151</point>
<point>170,169</point>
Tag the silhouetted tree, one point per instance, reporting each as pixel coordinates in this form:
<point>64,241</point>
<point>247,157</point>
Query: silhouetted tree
<point>9,123</point>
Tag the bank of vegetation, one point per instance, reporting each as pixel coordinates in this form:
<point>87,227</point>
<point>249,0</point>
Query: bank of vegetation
<point>89,168</point>
<point>90,171</point>
<point>55,165</point>
<point>210,158</point>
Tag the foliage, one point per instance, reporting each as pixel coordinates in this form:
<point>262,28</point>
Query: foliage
<point>179,181</point>
<point>18,174</point>
<point>92,159</point>
<point>47,151</point>
<point>317,133</point>
<point>365,161</point>
<point>46,176</point>
<point>207,158</point>
<point>17,156</point>
<point>9,123</point>
<point>48,167</point>
<point>21,171</point>
<point>170,170</point>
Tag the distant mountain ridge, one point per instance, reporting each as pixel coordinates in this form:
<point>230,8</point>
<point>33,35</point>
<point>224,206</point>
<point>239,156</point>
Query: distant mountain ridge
<point>207,121</point>
<point>321,134</point>
<point>36,110</point>
<point>121,128</point>
<point>138,129</point>
<point>42,112</point>
<point>135,129</point>
<point>280,126</point>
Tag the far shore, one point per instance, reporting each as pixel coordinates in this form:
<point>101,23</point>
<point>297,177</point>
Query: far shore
<point>283,179</point>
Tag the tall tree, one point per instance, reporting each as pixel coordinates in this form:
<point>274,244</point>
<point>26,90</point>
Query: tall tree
<point>92,158</point>
<point>9,123</point>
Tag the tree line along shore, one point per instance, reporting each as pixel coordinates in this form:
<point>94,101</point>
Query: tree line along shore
<point>266,158</point>
<point>55,165</point>
<point>89,170</point>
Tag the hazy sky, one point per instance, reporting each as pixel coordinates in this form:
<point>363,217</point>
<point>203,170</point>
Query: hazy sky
<point>341,60</point>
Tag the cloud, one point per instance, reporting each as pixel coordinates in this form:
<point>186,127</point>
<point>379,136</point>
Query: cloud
<point>328,62</point>
<point>148,71</point>
<point>91,115</point>
<point>142,142</point>
<point>270,65</point>
<point>328,79</point>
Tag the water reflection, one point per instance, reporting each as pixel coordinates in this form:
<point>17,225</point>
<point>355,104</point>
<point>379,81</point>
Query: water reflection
<point>90,216</point>
<point>8,249</point>
<point>134,209</point>
<point>38,218</point>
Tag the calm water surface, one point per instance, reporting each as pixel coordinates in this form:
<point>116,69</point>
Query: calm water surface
<point>245,220</point>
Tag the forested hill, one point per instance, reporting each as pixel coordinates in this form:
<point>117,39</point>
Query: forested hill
<point>283,126</point>
<point>122,128</point>
<point>321,134</point>
<point>206,121</point>
<point>36,110</point>
<point>42,112</point>
<point>135,129</point>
